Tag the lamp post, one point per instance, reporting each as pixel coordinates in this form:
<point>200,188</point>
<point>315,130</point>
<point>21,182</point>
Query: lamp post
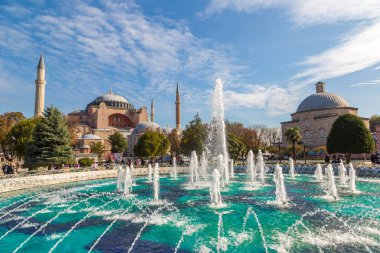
<point>279,142</point>
<point>304,150</point>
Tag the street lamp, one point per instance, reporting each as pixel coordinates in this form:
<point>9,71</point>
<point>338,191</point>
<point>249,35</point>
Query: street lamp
<point>279,142</point>
<point>304,149</point>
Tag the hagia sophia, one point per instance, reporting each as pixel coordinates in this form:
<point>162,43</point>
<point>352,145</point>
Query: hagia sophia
<point>103,116</point>
<point>111,112</point>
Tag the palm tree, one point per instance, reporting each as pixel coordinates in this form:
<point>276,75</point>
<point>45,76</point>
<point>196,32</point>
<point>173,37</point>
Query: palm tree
<point>293,136</point>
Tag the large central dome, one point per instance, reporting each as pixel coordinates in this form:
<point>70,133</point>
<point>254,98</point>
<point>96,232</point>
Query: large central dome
<point>322,100</point>
<point>112,99</point>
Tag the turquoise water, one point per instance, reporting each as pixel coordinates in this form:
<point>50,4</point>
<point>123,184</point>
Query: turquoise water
<point>92,216</point>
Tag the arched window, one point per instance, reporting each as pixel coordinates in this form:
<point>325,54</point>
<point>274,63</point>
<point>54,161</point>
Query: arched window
<point>322,132</point>
<point>306,122</point>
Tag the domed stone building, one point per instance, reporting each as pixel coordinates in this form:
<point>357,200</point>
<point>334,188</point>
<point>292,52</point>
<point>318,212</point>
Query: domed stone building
<point>316,114</point>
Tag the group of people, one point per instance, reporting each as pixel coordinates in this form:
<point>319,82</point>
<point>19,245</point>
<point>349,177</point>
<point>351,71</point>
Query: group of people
<point>375,158</point>
<point>335,159</point>
<point>7,169</point>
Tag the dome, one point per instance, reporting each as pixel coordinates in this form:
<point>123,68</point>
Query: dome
<point>90,137</point>
<point>113,100</point>
<point>85,146</point>
<point>167,130</point>
<point>110,97</point>
<point>143,127</point>
<point>322,100</point>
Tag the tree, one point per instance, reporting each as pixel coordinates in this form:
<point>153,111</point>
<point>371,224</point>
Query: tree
<point>118,142</point>
<point>373,122</point>
<point>175,142</point>
<point>151,144</point>
<point>194,136</point>
<point>293,136</point>
<point>23,133</point>
<point>85,162</point>
<point>98,149</point>
<point>349,135</point>
<point>7,121</point>
<point>72,123</point>
<point>235,146</point>
<point>50,145</point>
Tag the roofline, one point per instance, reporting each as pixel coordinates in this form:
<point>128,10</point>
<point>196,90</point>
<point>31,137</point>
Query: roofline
<point>327,108</point>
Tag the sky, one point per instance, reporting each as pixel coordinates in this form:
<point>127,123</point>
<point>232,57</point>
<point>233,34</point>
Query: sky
<point>268,53</point>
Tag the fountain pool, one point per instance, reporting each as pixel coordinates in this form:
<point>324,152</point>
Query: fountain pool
<point>93,217</point>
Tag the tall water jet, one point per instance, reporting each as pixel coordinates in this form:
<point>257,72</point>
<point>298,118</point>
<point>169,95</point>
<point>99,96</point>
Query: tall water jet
<point>342,174</point>
<point>251,167</point>
<point>132,169</point>
<point>156,182</point>
<point>232,172</point>
<point>318,173</point>
<point>203,168</point>
<point>149,172</point>
<point>127,182</point>
<point>216,197</point>
<point>330,183</point>
<point>216,141</point>
<point>281,196</point>
<point>352,176</point>
<point>261,166</point>
<point>194,167</point>
<point>173,171</point>
<point>221,166</point>
<point>119,178</point>
<point>291,168</point>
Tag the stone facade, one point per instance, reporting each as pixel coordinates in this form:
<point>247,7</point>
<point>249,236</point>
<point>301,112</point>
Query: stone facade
<point>315,124</point>
<point>377,135</point>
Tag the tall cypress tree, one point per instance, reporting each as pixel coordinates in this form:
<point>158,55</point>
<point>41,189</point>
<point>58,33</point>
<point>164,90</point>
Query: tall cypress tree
<point>50,145</point>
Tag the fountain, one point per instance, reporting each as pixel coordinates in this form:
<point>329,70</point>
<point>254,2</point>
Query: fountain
<point>261,166</point>
<point>194,168</point>
<point>127,182</point>
<point>318,173</point>
<point>330,183</point>
<point>203,168</point>
<point>232,172</point>
<point>119,178</point>
<point>281,196</point>
<point>352,176</point>
<point>342,174</point>
<point>156,182</point>
<point>173,171</point>
<point>216,197</point>
<point>291,168</point>
<point>216,141</point>
<point>251,168</point>
<point>149,172</point>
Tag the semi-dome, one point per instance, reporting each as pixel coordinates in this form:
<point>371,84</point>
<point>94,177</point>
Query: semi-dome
<point>143,127</point>
<point>90,137</point>
<point>322,100</point>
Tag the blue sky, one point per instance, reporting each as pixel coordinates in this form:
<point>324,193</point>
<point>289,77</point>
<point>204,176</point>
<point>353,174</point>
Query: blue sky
<point>268,53</point>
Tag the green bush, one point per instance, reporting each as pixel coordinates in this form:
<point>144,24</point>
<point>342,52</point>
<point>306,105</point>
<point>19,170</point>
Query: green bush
<point>85,162</point>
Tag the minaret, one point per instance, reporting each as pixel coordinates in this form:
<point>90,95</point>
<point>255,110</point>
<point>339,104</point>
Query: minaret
<point>40,89</point>
<point>151,111</point>
<point>177,111</point>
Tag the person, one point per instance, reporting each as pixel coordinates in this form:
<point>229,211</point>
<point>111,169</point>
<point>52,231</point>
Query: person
<point>334,158</point>
<point>327,159</point>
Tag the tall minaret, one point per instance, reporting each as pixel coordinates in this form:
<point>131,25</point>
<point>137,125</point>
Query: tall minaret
<point>177,111</point>
<point>151,111</point>
<point>40,88</point>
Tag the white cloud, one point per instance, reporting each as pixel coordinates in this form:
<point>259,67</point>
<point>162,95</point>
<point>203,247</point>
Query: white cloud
<point>276,99</point>
<point>357,50</point>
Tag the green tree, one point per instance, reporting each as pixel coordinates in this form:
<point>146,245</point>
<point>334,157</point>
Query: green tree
<point>349,135</point>
<point>293,136</point>
<point>118,142</point>
<point>7,121</point>
<point>98,149</point>
<point>23,133</point>
<point>235,146</point>
<point>50,145</point>
<point>194,136</point>
<point>175,142</point>
<point>373,122</point>
<point>151,144</point>
<point>85,162</point>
